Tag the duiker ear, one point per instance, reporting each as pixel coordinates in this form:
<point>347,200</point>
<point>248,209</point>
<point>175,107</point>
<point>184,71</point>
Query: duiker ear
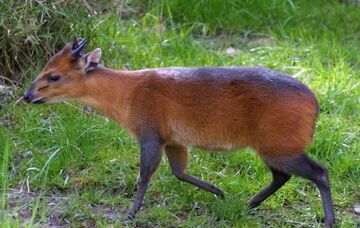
<point>92,59</point>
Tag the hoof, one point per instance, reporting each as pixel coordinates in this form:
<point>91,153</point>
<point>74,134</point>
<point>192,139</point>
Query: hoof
<point>218,192</point>
<point>253,204</point>
<point>130,215</point>
<point>221,196</point>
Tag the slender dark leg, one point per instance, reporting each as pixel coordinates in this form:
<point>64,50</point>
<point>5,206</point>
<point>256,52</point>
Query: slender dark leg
<point>306,167</point>
<point>279,179</point>
<point>150,148</point>
<point>178,157</point>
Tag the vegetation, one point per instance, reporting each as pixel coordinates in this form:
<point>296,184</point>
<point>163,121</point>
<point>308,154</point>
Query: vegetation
<point>64,164</point>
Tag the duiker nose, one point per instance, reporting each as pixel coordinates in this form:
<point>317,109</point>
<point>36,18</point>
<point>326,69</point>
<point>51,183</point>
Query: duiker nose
<point>27,96</point>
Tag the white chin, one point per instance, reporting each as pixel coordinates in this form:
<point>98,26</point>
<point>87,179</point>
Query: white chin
<point>57,100</point>
<point>52,101</point>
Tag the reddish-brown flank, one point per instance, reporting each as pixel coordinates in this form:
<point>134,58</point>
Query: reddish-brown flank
<point>225,116</point>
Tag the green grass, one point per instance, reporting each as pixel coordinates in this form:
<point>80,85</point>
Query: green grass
<point>82,167</point>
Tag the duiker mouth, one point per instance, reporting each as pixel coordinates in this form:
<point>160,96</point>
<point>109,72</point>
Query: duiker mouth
<point>39,100</point>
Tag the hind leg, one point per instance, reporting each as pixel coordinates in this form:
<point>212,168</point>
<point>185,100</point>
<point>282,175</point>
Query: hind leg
<point>306,167</point>
<point>279,179</point>
<point>178,158</point>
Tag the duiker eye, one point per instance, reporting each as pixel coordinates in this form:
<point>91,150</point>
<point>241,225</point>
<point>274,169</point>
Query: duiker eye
<point>54,78</point>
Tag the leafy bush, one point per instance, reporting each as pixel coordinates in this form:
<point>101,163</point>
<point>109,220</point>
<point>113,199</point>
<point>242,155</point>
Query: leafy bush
<point>30,31</point>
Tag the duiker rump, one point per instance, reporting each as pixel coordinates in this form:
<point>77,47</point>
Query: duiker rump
<point>212,108</point>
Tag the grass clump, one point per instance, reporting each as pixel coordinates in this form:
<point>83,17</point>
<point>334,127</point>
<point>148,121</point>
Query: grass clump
<point>30,31</point>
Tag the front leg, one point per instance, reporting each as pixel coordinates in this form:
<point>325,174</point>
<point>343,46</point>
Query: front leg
<point>150,149</point>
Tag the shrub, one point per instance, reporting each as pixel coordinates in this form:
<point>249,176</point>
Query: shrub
<point>30,31</point>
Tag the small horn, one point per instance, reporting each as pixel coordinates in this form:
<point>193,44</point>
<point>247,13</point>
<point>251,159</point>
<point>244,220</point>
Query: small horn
<point>78,45</point>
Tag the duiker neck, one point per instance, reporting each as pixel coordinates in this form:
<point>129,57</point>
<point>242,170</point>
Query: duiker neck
<point>109,91</point>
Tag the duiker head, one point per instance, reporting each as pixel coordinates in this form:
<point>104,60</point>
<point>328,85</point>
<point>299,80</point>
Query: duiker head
<point>63,76</point>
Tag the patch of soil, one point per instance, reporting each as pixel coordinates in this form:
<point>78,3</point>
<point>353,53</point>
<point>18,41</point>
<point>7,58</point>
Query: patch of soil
<point>21,205</point>
<point>6,94</point>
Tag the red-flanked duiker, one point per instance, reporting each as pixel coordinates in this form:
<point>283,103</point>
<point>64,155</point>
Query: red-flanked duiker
<point>212,108</point>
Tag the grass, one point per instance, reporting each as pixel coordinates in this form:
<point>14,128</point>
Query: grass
<point>79,167</point>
